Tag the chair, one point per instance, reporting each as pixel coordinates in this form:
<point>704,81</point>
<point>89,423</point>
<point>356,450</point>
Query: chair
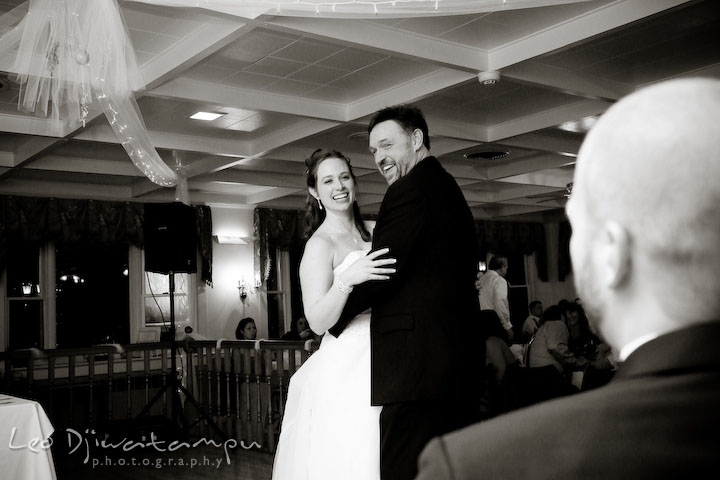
<point>147,335</point>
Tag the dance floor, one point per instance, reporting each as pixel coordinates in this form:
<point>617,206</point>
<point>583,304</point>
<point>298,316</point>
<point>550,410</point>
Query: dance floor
<point>197,463</point>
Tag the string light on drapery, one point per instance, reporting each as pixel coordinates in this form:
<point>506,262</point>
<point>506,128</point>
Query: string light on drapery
<point>64,53</point>
<point>358,8</point>
<point>377,7</point>
<point>357,5</point>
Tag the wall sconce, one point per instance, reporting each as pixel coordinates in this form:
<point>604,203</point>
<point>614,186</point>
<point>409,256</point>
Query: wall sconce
<point>231,239</point>
<point>482,267</point>
<point>244,288</point>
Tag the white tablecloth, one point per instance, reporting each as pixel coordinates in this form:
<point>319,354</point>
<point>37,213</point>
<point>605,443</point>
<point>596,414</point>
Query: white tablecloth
<point>24,445</point>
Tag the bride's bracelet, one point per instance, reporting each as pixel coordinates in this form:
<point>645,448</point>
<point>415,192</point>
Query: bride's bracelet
<point>346,289</point>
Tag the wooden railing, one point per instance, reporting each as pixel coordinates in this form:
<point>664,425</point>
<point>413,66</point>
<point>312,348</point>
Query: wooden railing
<point>240,385</point>
<point>243,384</point>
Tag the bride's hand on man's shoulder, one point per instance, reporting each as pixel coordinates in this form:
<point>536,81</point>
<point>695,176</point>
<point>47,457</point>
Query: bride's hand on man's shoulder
<point>373,266</point>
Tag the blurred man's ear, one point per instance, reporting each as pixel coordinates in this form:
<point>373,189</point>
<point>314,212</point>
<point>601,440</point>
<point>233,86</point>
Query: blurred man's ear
<point>613,250</point>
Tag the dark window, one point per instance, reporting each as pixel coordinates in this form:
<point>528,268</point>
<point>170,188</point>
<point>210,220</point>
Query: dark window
<point>517,293</point>
<point>23,270</point>
<point>276,312</point>
<point>276,294</point>
<point>25,296</point>
<point>26,324</point>
<point>516,269</point>
<point>92,294</point>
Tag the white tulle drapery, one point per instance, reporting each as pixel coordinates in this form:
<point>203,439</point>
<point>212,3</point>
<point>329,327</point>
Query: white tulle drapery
<point>357,8</point>
<point>65,54</point>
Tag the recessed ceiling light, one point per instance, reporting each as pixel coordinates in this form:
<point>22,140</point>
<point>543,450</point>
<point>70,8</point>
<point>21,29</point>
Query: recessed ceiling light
<point>207,116</point>
<point>580,126</point>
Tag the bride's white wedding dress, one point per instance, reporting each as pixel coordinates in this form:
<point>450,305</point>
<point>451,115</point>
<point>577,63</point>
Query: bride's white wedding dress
<point>329,430</point>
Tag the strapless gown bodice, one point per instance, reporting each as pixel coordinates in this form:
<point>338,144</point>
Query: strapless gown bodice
<point>349,260</point>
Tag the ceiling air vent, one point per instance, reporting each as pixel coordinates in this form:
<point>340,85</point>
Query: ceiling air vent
<point>488,155</point>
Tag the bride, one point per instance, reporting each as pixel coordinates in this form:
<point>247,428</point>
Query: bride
<point>330,431</point>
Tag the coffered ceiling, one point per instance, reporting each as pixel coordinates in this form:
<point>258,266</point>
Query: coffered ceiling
<point>288,85</point>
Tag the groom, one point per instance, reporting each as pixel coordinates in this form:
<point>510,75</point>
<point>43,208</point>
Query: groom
<point>426,360</point>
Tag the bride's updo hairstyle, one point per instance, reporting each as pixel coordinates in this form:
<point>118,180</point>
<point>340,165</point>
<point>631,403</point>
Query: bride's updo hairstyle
<point>314,216</point>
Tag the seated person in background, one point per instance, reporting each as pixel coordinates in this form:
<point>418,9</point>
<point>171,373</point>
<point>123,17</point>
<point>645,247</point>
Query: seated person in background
<point>563,306</point>
<point>532,322</point>
<point>300,331</point>
<point>246,329</point>
<point>582,341</point>
<point>550,345</point>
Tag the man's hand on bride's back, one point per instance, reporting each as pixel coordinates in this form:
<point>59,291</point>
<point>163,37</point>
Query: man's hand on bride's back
<point>369,267</point>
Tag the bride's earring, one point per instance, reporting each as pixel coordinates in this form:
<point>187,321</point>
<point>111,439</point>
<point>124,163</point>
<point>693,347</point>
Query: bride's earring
<point>320,204</point>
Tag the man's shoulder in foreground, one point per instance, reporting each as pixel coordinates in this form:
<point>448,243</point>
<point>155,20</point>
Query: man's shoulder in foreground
<point>629,428</point>
<point>588,436</point>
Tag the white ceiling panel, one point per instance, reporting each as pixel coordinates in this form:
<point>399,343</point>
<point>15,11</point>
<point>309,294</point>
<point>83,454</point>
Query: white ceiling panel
<point>287,86</point>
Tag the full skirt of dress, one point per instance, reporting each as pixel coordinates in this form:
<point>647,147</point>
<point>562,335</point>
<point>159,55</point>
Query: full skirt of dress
<point>329,430</point>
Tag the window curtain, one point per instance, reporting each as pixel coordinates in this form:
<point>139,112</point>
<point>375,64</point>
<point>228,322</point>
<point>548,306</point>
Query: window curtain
<point>283,229</point>
<point>205,242</point>
<point>37,220</point>
<point>514,238</point>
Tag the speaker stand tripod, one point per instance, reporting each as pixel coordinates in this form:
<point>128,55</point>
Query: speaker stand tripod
<point>175,385</point>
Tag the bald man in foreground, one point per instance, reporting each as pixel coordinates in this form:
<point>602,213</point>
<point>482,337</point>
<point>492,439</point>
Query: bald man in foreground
<point>645,248</point>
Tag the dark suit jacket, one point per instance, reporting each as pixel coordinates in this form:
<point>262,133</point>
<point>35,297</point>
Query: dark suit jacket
<point>658,418</point>
<point>423,318</point>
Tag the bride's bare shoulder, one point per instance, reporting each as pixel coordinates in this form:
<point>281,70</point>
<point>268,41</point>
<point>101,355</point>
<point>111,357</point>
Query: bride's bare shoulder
<point>319,240</point>
<point>318,249</point>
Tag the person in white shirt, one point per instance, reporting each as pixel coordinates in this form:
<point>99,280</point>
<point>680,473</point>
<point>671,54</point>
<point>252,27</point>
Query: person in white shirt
<point>493,290</point>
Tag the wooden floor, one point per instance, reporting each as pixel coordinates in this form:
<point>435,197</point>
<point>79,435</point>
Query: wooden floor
<point>129,453</point>
<point>195,463</point>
